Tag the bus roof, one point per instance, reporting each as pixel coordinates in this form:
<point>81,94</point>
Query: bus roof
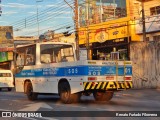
<point>46,43</point>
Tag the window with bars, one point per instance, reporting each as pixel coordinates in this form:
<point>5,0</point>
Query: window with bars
<point>155,10</point>
<point>147,38</point>
<point>156,38</point>
<point>97,11</point>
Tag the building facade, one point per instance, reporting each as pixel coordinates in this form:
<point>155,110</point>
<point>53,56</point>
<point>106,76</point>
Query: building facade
<point>115,26</point>
<point>107,26</point>
<point>146,55</point>
<point>152,19</point>
<point>6,46</point>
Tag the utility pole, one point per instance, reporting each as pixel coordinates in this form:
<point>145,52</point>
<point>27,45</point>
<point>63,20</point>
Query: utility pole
<point>88,42</point>
<point>75,9</point>
<point>76,27</point>
<point>88,45</point>
<point>143,21</point>
<point>37,1</point>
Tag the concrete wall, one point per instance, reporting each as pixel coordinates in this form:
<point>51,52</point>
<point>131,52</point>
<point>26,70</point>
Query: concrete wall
<point>146,64</point>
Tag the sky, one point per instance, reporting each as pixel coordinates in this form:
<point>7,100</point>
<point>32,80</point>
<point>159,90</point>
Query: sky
<point>22,15</point>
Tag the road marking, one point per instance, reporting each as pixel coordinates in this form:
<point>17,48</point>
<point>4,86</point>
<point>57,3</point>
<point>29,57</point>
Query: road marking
<point>4,99</point>
<point>101,109</point>
<point>36,106</point>
<point>126,94</point>
<point>16,100</point>
<point>4,110</point>
<point>48,118</point>
<point>98,109</point>
<point>31,118</point>
<point>70,106</point>
<point>43,118</point>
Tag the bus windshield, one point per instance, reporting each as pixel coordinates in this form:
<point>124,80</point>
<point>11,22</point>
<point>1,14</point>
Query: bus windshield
<point>54,53</point>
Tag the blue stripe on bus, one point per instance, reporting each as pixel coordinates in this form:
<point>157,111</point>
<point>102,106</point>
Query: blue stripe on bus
<point>76,71</point>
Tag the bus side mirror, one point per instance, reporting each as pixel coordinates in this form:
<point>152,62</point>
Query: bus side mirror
<point>18,69</point>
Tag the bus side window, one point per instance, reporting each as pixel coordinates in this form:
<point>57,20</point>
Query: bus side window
<point>45,58</point>
<point>30,60</point>
<point>20,59</point>
<point>59,56</point>
<point>64,59</point>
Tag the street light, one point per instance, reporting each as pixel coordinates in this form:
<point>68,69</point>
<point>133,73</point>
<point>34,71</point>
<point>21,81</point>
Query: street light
<point>37,1</point>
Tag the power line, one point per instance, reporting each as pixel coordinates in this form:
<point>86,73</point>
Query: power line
<point>55,28</point>
<point>29,21</point>
<point>34,16</point>
<point>42,18</point>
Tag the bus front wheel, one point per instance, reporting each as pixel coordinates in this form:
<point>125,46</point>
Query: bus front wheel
<point>29,91</point>
<point>65,94</point>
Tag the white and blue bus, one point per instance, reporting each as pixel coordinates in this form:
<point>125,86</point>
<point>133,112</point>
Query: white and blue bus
<point>52,68</point>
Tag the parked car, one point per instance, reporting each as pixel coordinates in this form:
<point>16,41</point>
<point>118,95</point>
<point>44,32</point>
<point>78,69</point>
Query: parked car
<point>6,79</point>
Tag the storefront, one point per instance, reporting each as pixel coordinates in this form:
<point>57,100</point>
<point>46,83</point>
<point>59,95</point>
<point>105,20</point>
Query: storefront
<point>106,49</point>
<point>6,47</point>
<point>107,27</point>
<point>111,39</point>
<point>6,58</point>
<point>5,65</point>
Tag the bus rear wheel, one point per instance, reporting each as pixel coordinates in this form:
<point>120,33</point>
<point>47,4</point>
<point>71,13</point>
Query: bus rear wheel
<point>65,94</point>
<point>103,96</point>
<point>29,91</point>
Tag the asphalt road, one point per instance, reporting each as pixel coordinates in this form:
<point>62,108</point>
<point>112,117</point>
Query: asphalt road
<point>130,101</point>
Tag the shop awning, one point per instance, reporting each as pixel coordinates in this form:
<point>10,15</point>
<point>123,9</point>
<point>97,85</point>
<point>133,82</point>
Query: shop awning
<point>6,49</point>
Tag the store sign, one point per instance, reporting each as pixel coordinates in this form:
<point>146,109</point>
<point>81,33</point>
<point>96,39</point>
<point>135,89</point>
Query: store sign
<point>6,47</point>
<point>152,24</point>
<point>3,56</point>
<point>101,36</point>
<point>10,55</point>
<point>108,32</point>
<point>6,56</point>
<point>115,32</point>
<point>119,40</point>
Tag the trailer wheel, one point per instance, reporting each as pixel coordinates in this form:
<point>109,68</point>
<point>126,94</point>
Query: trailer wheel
<point>65,94</point>
<point>103,96</point>
<point>29,91</point>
